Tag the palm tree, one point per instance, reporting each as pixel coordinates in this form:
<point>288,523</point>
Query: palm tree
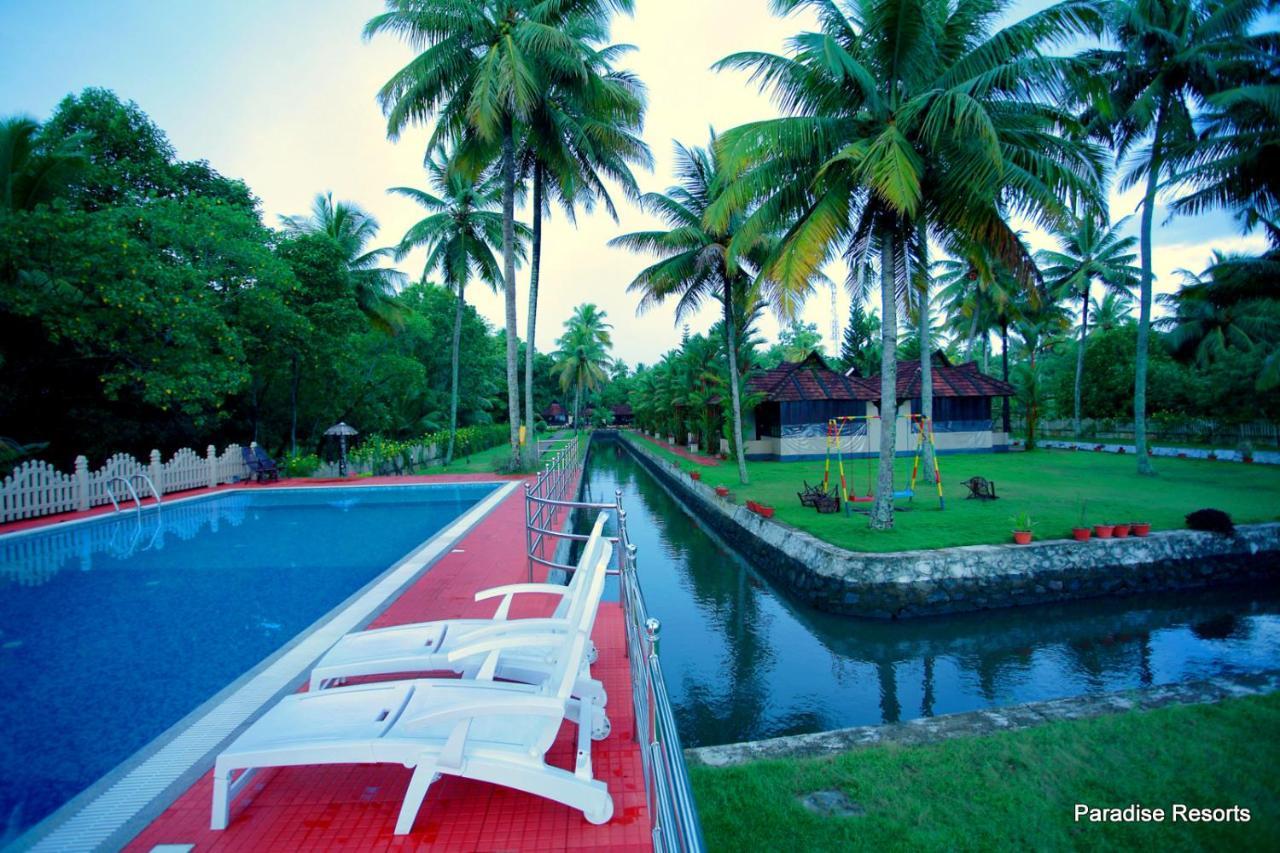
<point>907,120</point>
<point>1112,312</point>
<point>30,175</point>
<point>1203,325</point>
<point>352,229</point>
<point>1170,57</point>
<point>697,263</point>
<point>484,69</point>
<point>459,232</point>
<point>581,135</point>
<point>583,358</point>
<point>1039,327</point>
<point>1089,250</point>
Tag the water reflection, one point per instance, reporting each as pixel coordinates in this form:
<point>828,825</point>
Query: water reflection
<point>745,661</point>
<point>34,559</point>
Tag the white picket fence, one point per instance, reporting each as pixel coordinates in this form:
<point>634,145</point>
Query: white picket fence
<point>36,488</point>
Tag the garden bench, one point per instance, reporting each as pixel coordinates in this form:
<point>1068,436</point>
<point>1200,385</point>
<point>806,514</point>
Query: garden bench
<point>981,488</point>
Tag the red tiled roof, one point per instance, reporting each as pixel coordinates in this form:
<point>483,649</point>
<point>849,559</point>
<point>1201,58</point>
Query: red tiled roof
<point>622,409</point>
<point>961,380</point>
<point>809,379</point>
<point>553,410</point>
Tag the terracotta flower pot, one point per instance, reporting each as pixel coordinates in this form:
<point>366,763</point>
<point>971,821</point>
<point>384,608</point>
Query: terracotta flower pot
<point>1121,531</point>
<point>1081,534</point>
<point>752,505</point>
<point>764,511</point>
<point>1022,537</point>
<point>1140,528</point>
<point>722,491</point>
<point>1103,531</point>
<point>696,475</point>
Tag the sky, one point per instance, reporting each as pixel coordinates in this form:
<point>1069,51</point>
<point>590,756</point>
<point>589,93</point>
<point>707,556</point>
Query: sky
<point>282,95</point>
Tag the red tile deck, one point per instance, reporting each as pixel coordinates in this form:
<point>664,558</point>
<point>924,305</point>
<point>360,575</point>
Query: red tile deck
<point>354,807</point>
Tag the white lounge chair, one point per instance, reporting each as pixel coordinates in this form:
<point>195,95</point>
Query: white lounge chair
<point>472,728</point>
<point>425,646</point>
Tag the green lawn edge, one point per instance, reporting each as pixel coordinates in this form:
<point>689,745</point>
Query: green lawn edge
<point>1017,790</point>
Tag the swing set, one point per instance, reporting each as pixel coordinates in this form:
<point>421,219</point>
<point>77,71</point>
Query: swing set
<point>921,431</point>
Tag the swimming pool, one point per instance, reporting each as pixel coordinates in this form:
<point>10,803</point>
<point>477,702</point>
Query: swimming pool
<point>114,629</point>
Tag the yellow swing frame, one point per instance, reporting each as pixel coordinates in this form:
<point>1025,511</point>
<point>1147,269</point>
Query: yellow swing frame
<point>921,429</point>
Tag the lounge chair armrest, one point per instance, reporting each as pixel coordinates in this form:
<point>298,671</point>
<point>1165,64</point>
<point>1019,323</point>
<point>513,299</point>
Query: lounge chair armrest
<point>522,588</point>
<point>506,642</point>
<point>516,628</point>
<point>517,704</point>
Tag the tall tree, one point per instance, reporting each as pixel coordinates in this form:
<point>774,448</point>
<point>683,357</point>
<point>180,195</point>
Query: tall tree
<point>29,174</point>
<point>906,120</point>
<point>1170,56</point>
<point>583,134</point>
<point>583,358</point>
<point>459,233</point>
<point>697,263</point>
<point>353,229</point>
<point>1089,250</point>
<point>484,69</point>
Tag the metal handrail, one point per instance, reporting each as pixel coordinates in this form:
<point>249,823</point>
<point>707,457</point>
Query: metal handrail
<point>670,796</point>
<point>128,485</point>
<point>154,491</point>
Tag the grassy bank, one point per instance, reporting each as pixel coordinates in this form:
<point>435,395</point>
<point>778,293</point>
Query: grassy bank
<point>1017,791</point>
<point>1047,484</point>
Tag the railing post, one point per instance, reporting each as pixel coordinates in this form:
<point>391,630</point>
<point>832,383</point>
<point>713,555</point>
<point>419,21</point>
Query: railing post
<point>156,471</point>
<point>211,457</point>
<point>82,483</point>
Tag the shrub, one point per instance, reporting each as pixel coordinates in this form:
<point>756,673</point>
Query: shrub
<point>1212,521</point>
<point>301,464</point>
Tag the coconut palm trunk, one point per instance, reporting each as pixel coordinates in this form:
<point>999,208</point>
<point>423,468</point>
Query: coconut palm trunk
<point>1084,331</point>
<point>453,368</point>
<point>926,360</point>
<point>509,278</point>
<point>735,393</point>
<point>1004,374</point>
<point>1144,306</point>
<point>882,509</point>
<point>531,438</point>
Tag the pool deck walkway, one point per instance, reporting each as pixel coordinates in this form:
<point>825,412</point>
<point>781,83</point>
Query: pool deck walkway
<point>354,807</point>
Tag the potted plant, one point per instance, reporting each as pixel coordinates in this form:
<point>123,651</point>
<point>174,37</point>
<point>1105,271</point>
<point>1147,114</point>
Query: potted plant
<point>1245,450</point>
<point>764,510</point>
<point>695,475</point>
<point>1140,528</point>
<point>722,491</point>
<point>1081,530</point>
<point>1103,531</point>
<point>1022,525</point>
<point>1121,531</point>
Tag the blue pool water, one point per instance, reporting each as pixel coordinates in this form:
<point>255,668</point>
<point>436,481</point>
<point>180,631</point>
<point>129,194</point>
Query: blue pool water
<point>113,630</point>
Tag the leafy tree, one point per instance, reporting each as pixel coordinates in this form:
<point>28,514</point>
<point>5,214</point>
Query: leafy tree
<point>860,348</point>
<point>459,233</point>
<point>795,341</point>
<point>583,357</point>
<point>352,229</point>
<point>1089,250</point>
<point>697,263</point>
<point>30,174</point>
<point>1204,324</point>
<point>1169,56</point>
<point>906,119</point>
<point>485,68</point>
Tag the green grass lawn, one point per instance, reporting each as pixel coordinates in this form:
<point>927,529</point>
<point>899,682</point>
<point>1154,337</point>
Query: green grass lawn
<point>1047,484</point>
<point>1017,791</point>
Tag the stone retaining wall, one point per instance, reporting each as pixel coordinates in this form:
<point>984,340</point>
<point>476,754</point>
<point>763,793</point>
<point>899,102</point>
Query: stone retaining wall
<point>976,723</point>
<point>975,577</point>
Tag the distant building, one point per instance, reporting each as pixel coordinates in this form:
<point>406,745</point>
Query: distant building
<point>555,415</point>
<point>800,399</point>
<point>622,415</point>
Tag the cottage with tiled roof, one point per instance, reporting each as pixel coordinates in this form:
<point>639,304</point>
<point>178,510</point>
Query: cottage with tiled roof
<point>800,399</point>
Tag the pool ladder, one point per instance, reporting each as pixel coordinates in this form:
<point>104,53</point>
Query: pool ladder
<point>133,493</point>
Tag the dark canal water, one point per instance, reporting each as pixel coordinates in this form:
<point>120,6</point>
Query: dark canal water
<point>744,661</point>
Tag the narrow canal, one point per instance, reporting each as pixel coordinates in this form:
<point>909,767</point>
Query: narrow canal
<point>744,661</point>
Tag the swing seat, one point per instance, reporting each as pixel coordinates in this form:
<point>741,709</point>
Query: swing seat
<point>860,499</point>
<point>904,494</point>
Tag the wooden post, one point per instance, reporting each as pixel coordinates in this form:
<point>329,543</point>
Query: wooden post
<point>211,455</point>
<point>82,483</point>
<point>157,474</point>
